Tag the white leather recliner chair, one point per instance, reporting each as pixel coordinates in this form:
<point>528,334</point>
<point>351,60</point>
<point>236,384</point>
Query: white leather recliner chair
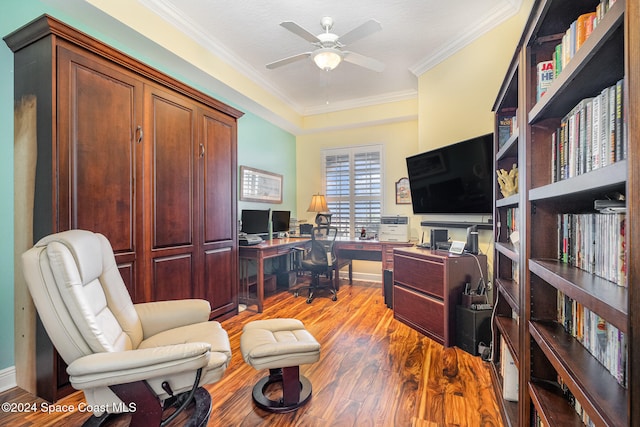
<point>125,357</point>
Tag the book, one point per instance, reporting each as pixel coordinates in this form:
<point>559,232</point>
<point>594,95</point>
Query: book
<point>509,373</point>
<point>545,77</point>
<point>506,125</point>
<point>620,151</point>
<point>584,26</point>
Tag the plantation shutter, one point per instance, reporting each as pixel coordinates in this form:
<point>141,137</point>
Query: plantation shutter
<point>353,188</point>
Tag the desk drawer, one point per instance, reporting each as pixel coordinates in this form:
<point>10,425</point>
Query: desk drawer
<point>419,274</point>
<point>356,246</point>
<point>421,312</point>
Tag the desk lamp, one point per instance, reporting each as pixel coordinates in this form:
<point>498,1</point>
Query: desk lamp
<point>319,204</point>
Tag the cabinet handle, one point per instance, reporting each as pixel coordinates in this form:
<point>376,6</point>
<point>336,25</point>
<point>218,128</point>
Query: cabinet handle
<point>201,150</point>
<point>140,134</point>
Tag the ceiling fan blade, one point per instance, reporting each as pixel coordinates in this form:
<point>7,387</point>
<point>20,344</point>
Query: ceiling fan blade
<point>299,31</point>
<point>288,60</point>
<point>363,61</point>
<point>369,27</point>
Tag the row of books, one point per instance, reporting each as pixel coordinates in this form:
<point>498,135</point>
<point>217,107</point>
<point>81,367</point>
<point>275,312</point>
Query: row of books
<point>595,243</point>
<point>577,33</point>
<point>575,404</point>
<point>601,339</point>
<point>591,136</point>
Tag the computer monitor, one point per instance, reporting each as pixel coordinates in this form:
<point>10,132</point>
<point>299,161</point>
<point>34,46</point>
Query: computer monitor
<point>280,221</point>
<point>255,221</point>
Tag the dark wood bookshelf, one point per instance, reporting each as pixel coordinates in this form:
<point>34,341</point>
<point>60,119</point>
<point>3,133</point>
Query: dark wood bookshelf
<point>595,388</point>
<point>547,355</point>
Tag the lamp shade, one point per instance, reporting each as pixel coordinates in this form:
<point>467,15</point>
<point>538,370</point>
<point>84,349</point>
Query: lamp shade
<point>318,204</point>
<point>327,59</point>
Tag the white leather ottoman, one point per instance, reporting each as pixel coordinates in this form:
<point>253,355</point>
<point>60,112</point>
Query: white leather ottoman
<point>280,345</point>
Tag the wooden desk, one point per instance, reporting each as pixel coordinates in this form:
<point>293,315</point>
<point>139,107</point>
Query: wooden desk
<point>265,250</point>
<point>346,250</point>
<point>366,250</point>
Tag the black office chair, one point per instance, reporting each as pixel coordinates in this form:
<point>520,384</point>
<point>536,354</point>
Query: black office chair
<point>320,260</point>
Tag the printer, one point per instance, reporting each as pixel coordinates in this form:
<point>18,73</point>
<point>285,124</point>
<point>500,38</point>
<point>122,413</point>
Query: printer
<point>394,229</point>
<point>245,239</point>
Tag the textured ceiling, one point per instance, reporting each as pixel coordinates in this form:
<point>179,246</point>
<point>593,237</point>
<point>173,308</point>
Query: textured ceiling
<point>415,36</point>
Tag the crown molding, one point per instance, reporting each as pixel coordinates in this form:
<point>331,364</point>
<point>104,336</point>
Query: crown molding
<point>368,101</point>
<point>495,17</point>
<point>169,13</point>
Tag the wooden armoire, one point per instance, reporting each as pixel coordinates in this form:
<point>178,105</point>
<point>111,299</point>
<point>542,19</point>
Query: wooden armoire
<point>127,151</point>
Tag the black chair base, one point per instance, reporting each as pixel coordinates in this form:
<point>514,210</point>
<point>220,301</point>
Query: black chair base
<point>296,390</point>
<point>149,413</point>
<point>315,285</point>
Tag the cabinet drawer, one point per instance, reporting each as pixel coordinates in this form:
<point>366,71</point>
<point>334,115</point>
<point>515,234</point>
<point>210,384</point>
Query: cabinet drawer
<point>419,274</point>
<point>421,312</point>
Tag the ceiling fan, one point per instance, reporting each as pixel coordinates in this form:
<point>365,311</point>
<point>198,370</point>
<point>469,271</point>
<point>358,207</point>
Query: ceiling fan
<point>329,47</point>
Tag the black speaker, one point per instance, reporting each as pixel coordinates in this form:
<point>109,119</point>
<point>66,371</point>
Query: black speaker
<point>438,236</point>
<point>388,288</point>
<point>472,239</point>
<point>472,328</point>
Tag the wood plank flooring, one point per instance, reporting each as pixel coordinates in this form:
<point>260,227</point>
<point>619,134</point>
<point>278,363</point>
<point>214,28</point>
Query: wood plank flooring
<point>373,371</point>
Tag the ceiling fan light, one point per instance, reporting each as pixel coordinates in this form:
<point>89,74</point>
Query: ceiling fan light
<point>327,59</point>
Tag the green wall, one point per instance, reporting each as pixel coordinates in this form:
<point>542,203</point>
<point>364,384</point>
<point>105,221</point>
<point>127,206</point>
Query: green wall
<point>267,147</point>
<point>260,144</point>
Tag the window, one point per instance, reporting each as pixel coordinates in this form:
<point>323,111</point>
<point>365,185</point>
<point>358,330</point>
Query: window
<point>353,187</point>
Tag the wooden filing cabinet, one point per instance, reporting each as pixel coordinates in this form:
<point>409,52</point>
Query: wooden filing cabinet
<point>427,286</point>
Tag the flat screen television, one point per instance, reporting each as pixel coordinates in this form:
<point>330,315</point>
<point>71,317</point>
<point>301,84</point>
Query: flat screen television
<point>456,179</point>
<point>254,221</point>
<point>280,220</point>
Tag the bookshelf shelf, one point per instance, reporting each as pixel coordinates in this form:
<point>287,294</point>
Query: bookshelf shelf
<point>561,382</point>
<point>592,184</point>
<point>508,249</point>
<point>510,148</point>
<point>508,201</point>
<point>508,328</point>
<point>600,395</point>
<point>511,291</point>
<point>551,406</point>
<point>599,295</point>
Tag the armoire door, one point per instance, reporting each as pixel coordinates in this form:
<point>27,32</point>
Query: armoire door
<point>218,230</point>
<point>99,161</point>
<point>170,195</point>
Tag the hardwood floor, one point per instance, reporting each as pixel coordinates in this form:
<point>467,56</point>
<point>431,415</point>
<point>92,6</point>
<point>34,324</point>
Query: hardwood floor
<point>373,371</point>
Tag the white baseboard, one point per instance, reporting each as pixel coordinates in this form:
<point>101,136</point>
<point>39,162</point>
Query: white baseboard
<point>8,378</point>
<point>367,277</point>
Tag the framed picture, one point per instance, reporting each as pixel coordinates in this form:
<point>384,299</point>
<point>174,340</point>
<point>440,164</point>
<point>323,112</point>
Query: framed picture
<point>403,192</point>
<point>260,186</point>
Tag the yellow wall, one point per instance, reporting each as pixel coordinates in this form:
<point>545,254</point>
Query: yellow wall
<point>456,96</point>
<point>399,140</point>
